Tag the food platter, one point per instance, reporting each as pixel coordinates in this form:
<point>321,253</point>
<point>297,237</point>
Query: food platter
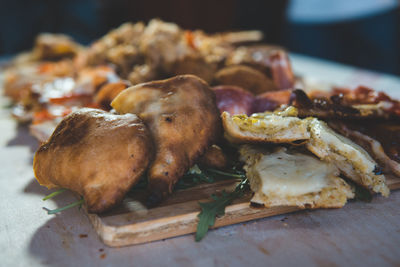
<point>161,130</point>
<point>132,223</point>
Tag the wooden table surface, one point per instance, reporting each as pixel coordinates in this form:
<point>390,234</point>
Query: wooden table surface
<point>360,234</point>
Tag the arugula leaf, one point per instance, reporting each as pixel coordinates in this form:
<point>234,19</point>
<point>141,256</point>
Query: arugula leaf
<point>210,210</point>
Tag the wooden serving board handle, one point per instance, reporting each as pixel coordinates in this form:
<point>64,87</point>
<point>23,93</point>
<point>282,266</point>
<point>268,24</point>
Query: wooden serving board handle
<point>132,223</point>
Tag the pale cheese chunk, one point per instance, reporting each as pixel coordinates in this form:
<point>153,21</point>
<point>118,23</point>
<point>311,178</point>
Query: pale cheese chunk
<point>290,178</point>
<point>293,174</point>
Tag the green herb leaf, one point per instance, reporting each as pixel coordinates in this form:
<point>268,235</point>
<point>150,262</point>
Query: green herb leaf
<point>235,175</point>
<point>54,194</point>
<point>210,210</point>
<point>76,203</point>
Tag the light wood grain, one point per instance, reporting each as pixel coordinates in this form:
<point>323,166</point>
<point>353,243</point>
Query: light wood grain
<point>132,223</point>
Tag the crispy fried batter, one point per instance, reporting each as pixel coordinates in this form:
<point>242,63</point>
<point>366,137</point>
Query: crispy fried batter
<point>283,127</point>
<point>380,140</point>
<point>290,177</point>
<point>184,120</point>
<point>96,154</point>
<point>279,127</point>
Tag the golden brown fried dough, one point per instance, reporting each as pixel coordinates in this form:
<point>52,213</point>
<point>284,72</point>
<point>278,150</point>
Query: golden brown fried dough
<point>96,154</point>
<point>184,121</point>
<point>245,77</point>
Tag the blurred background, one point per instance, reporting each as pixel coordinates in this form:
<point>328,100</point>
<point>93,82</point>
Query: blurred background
<point>363,33</point>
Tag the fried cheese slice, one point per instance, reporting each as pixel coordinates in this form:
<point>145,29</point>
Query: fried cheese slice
<point>282,127</point>
<point>286,177</point>
<point>351,159</point>
<point>278,127</point>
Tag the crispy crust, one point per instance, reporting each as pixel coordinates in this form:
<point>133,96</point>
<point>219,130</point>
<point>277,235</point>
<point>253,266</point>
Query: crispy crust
<point>373,147</point>
<point>334,195</point>
<point>240,136</point>
<point>350,158</point>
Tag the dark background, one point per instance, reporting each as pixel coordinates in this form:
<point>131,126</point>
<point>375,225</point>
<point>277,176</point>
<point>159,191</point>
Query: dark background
<point>371,42</point>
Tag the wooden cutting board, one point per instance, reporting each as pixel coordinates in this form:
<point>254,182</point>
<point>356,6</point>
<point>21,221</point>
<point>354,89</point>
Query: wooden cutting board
<point>132,223</point>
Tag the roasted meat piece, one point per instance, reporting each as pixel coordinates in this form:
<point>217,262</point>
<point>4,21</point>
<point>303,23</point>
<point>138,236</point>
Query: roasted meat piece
<point>271,60</point>
<point>343,103</point>
<point>183,119</point>
<point>270,101</point>
<point>96,154</point>
<point>245,77</point>
<point>234,100</point>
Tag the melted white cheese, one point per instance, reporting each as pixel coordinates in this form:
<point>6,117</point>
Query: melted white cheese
<point>295,174</point>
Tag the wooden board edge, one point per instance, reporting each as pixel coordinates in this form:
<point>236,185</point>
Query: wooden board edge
<point>158,229</point>
<point>117,236</point>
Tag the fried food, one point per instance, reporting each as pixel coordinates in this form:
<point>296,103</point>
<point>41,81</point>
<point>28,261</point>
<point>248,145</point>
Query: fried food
<point>96,154</point>
<point>183,119</point>
<point>380,139</point>
<point>287,177</point>
<point>281,127</point>
<point>351,159</point>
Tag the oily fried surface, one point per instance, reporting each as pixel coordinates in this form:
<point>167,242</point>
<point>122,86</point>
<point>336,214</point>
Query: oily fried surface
<point>183,119</point>
<point>96,154</point>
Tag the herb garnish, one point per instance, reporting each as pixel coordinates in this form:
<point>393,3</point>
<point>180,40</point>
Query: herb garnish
<point>54,194</point>
<point>73,204</point>
<point>195,176</point>
<point>210,210</point>
<point>76,203</point>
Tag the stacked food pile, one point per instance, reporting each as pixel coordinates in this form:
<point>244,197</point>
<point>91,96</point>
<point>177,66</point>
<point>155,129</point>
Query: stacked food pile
<point>158,102</point>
